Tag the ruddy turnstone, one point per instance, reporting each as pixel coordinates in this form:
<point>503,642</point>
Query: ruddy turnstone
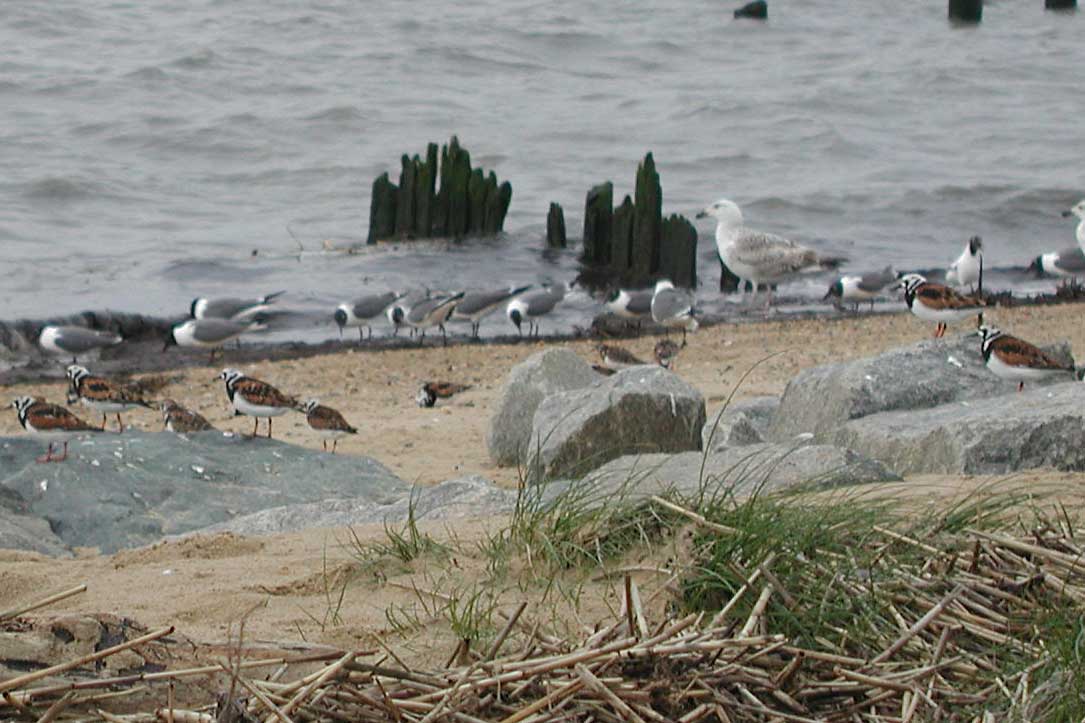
<point>763,258</point>
<point>208,333</point>
<point>432,391</point>
<point>666,352</point>
<point>967,270</point>
<point>618,357</point>
<point>74,341</point>
<point>1068,262</point>
<point>231,308</point>
<point>1015,359</point>
<point>937,302</point>
<point>102,395</point>
<point>1079,211</point>
<point>673,308</point>
<point>256,398</point>
<point>360,311</point>
<point>326,422</point>
<point>533,304</point>
<point>51,421</point>
<point>476,305</point>
<point>180,420</point>
<point>431,312</point>
<point>635,305</point>
<point>865,287</point>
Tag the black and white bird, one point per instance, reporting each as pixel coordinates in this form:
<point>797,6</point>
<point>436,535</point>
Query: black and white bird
<point>256,398</point>
<point>103,395</point>
<point>967,270</point>
<point>362,310</point>
<point>51,421</point>
<point>632,304</point>
<point>534,304</point>
<point>430,392</point>
<point>1078,210</point>
<point>1017,360</point>
<point>1067,263</point>
<point>861,287</point>
<point>937,302</point>
<point>231,308</point>
<point>618,357</point>
<point>673,308</point>
<point>476,305</point>
<point>431,312</point>
<point>179,420</point>
<point>75,341</point>
<point>326,422</point>
<point>208,333</point>
<point>763,258</point>
<point>666,352</point>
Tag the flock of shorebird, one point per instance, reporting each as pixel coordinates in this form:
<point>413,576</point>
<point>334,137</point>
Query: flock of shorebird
<point>761,258</point>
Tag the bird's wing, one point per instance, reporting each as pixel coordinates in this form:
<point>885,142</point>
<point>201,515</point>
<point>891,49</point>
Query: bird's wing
<point>775,255</point>
<point>1071,260</point>
<point>322,417</point>
<point>44,416</point>
<point>640,302</point>
<point>1017,352</point>
<point>263,394</point>
<point>938,296</point>
<point>479,300</point>
<point>212,330</point>
<point>78,339</point>
<point>875,281</point>
<point>369,306</point>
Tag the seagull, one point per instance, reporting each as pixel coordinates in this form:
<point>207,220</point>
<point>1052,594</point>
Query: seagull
<point>1015,359</point>
<point>231,308</point>
<point>865,287</point>
<point>208,333</point>
<point>763,258</point>
<point>75,340</point>
<point>478,304</point>
<point>937,302</point>
<point>634,304</point>
<point>1079,211</point>
<point>531,305</point>
<point>256,398</point>
<point>360,311</point>
<point>967,270</point>
<point>673,308</point>
<point>431,312</point>
<point>1068,262</point>
<point>51,421</point>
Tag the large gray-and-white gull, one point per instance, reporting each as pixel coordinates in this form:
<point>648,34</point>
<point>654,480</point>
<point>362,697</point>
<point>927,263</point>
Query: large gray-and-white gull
<point>75,341</point>
<point>1078,210</point>
<point>533,304</point>
<point>359,312</point>
<point>1068,262</point>
<point>673,308</point>
<point>476,305</point>
<point>763,258</point>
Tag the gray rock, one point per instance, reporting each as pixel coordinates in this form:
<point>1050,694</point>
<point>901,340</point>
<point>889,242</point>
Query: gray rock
<point>117,491</point>
<point>741,470</point>
<point>464,497</point>
<point>28,532</point>
<point>1042,427</point>
<point>926,374</point>
<point>639,410</point>
<point>741,423</point>
<point>528,383</point>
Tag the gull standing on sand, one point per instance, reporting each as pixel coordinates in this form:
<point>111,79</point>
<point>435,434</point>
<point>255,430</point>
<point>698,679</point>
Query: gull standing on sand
<point>1079,211</point>
<point>673,308</point>
<point>431,312</point>
<point>230,307</point>
<point>532,305</point>
<point>476,305</point>
<point>763,258</point>
<point>75,340</point>
<point>967,270</point>
<point>865,287</point>
<point>360,311</point>
<point>208,333</point>
<point>1068,262</point>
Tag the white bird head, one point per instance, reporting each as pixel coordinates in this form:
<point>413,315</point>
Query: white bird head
<point>1077,210</point>
<point>726,212</point>
<point>909,282</point>
<point>663,284</point>
<point>230,376</point>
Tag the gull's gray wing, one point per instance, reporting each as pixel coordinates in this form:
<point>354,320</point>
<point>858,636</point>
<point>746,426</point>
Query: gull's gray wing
<point>477,301</point>
<point>875,281</point>
<point>1072,261</point>
<point>772,255</point>
<point>228,307</point>
<point>418,312</point>
<point>640,302</point>
<point>544,300</point>
<point>671,304</point>
<point>78,339</point>
<point>368,307</point>
<point>210,331</point>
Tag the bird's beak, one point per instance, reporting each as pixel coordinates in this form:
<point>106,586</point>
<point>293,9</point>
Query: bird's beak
<point>702,214</point>
<point>1067,214</point>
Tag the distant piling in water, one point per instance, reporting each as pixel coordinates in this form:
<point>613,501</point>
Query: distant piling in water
<point>758,10</point>
<point>1060,4</point>
<point>468,202</point>
<point>555,227</point>
<point>633,242</point>
<point>966,11</point>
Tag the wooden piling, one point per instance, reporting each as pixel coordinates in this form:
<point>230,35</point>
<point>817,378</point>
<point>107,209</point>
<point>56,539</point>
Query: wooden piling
<point>647,220</point>
<point>598,220</point>
<point>621,241</point>
<point>966,11</point>
<point>382,210</point>
<point>678,251</point>
<point>1060,4</point>
<point>758,10</point>
<point>555,227</point>
<point>405,202</point>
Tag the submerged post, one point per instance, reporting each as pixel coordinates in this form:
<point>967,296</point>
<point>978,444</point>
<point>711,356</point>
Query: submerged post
<point>966,11</point>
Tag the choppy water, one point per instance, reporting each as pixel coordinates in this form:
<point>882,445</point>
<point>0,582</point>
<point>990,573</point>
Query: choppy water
<point>148,148</point>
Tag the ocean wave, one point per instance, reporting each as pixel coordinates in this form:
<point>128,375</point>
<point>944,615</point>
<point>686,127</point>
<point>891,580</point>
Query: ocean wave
<point>61,189</point>
<point>337,114</point>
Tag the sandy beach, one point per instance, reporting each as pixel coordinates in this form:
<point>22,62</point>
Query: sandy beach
<point>204,584</point>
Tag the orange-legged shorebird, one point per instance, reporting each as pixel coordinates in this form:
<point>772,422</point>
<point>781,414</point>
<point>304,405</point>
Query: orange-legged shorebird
<point>666,352</point>
<point>256,398</point>
<point>618,357</point>
<point>51,421</point>
<point>102,395</point>
<point>180,420</point>
<point>1017,360</point>
<point>326,422</point>
<point>432,391</point>
<point>938,302</point>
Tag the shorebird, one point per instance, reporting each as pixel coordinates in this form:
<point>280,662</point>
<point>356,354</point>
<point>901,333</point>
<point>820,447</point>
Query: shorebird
<point>864,287</point>
<point>256,398</point>
<point>967,270</point>
<point>208,333</point>
<point>533,304</point>
<point>326,422</point>
<point>179,420</point>
<point>1068,262</point>
<point>937,302</point>
<point>431,312</point>
<point>1078,210</point>
<point>51,421</point>
<point>763,258</point>
<point>360,311</point>
<point>102,395</point>
<point>665,352</point>
<point>231,308</point>
<point>673,308</point>
<point>432,391</point>
<point>476,305</point>
<point>1015,359</point>
<point>618,357</point>
<point>75,340</point>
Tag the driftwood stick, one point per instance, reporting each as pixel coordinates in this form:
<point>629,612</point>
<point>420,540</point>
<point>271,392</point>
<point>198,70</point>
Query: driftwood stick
<point>691,515</point>
<point>505,631</point>
<point>56,597</point>
<point>919,625</point>
<point>57,708</point>
<point>260,695</point>
<point>757,611</point>
<point>328,673</point>
<point>570,688</point>
<point>596,685</point>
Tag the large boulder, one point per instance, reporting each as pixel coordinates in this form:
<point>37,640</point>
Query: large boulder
<point>639,410</point>
<point>529,382</point>
<point>117,491</point>
<point>1042,427</point>
<point>926,374</point>
<point>740,423</point>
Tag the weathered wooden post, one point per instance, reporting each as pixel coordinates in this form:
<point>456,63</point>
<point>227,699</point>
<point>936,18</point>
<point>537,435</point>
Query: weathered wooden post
<point>425,199</point>
<point>405,203</point>
<point>966,11</point>
<point>758,10</point>
<point>382,209</point>
<point>598,217</point>
<point>647,220</point>
<point>678,251</point>
<point>1060,4</point>
<point>555,227</point>
<point>621,240</point>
